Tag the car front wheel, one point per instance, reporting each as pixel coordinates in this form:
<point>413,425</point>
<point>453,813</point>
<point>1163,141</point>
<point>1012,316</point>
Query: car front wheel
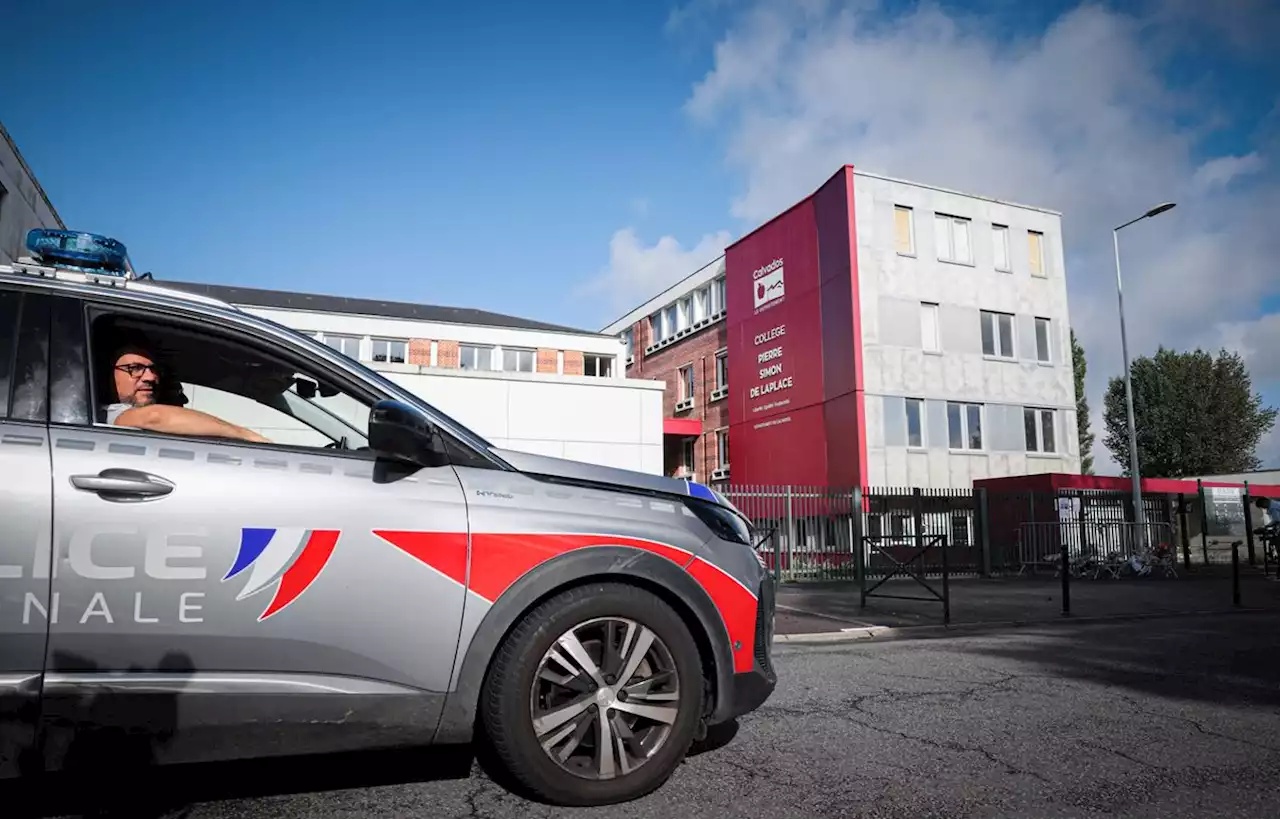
<point>595,696</point>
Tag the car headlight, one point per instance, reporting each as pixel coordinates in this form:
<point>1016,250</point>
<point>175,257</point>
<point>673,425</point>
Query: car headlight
<point>726,523</point>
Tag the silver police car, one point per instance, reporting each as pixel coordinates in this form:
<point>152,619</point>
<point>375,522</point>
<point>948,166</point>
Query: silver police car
<point>367,574</point>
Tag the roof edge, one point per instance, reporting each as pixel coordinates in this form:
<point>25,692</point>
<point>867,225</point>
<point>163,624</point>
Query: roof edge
<point>656,298</point>
<point>842,169</point>
<point>221,291</point>
<point>31,175</point>
<point>940,189</point>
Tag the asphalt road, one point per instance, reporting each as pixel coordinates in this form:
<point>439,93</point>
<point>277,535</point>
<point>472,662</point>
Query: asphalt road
<point>1161,718</point>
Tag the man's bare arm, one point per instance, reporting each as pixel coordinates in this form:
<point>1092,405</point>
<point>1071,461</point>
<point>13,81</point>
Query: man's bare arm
<point>183,421</point>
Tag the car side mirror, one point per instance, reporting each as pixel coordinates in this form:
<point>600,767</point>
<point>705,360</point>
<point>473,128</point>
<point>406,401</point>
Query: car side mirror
<point>306,387</point>
<point>399,432</point>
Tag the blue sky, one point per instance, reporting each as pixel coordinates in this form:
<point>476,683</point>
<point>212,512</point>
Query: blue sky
<point>563,161</point>
<point>457,154</point>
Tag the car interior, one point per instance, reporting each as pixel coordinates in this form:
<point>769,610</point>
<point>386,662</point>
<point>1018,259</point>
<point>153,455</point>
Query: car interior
<point>236,382</point>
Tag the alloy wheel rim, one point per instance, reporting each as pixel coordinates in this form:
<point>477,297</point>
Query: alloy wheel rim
<point>604,698</point>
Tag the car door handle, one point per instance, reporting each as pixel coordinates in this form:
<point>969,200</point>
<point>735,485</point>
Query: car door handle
<point>123,484</point>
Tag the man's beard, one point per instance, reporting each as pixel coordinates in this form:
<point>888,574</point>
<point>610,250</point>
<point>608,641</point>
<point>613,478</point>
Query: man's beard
<point>143,399</point>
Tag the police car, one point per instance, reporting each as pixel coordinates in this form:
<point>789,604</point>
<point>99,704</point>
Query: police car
<point>367,574</point>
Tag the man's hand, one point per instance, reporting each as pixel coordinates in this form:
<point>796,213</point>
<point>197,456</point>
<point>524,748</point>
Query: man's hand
<point>183,421</point>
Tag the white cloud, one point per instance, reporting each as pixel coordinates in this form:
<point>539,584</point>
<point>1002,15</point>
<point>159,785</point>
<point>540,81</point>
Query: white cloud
<point>1223,170</point>
<point>1078,118</point>
<point>1258,341</point>
<point>637,272</point>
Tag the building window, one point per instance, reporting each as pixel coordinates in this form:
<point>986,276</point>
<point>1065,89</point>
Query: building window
<point>717,295</point>
<point>1035,249</point>
<point>1042,341</point>
<point>515,360</point>
<point>903,231</point>
<point>475,357</point>
<point>722,449</point>
<point>628,342</point>
<point>997,334</point>
<point>915,422</point>
<point>597,365</point>
<point>1039,426</point>
<point>686,457</point>
<point>392,351</point>
<point>685,377</point>
<point>347,345</point>
<point>964,426</point>
<point>722,369</point>
<point>670,321</point>
<point>952,233</point>
<point>1000,247</point>
<point>929,328</point>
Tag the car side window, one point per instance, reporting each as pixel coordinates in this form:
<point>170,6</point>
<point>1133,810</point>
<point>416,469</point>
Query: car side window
<point>28,390</point>
<point>178,376</point>
<point>9,300</point>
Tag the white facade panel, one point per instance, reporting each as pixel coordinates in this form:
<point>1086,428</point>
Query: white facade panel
<point>611,422</point>
<point>968,255</point>
<point>483,404</point>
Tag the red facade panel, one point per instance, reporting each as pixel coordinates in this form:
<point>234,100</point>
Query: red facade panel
<point>845,415</point>
<point>795,345</point>
<point>775,352</point>
<point>1050,482</point>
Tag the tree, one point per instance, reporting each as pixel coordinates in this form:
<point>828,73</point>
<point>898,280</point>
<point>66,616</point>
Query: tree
<point>1082,407</point>
<point>1194,415</point>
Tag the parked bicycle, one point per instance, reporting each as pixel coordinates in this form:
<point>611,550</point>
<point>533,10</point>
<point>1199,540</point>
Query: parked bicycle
<point>1269,536</point>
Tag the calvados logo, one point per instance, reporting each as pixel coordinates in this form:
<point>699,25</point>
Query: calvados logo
<point>291,559</point>
<point>769,283</point>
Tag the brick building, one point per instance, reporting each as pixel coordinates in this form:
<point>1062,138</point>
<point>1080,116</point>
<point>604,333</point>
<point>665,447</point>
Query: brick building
<point>879,332</point>
<point>522,384</point>
<point>679,338</point>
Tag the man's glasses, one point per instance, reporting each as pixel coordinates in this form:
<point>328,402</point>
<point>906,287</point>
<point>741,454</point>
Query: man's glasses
<point>135,369</point>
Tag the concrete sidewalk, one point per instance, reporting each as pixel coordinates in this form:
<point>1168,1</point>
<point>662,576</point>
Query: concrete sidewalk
<point>832,606</point>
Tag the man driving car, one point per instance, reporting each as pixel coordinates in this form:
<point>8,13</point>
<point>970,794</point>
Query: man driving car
<point>136,378</point>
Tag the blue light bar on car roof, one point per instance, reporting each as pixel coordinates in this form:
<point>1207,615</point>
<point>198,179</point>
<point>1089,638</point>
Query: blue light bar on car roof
<point>79,251</point>
<point>697,490</point>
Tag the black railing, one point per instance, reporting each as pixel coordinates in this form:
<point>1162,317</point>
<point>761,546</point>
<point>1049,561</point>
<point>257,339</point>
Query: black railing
<point>902,565</point>
<point>813,533</point>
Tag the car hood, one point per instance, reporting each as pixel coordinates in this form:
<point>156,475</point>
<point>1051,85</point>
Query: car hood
<point>579,471</point>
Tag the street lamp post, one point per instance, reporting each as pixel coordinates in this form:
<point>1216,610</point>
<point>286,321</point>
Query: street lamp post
<point>1139,513</point>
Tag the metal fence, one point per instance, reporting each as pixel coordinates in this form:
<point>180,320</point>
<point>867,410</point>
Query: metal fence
<point>812,533</point>
<point>1097,543</point>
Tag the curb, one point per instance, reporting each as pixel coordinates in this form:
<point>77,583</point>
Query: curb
<point>860,633</point>
<point>818,615</point>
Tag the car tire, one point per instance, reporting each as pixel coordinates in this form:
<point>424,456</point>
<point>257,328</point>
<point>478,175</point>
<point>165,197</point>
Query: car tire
<point>517,690</point>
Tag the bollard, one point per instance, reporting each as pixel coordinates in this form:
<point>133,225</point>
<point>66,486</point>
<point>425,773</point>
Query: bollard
<point>1235,573</point>
<point>1066,581</point>
<point>946,589</point>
